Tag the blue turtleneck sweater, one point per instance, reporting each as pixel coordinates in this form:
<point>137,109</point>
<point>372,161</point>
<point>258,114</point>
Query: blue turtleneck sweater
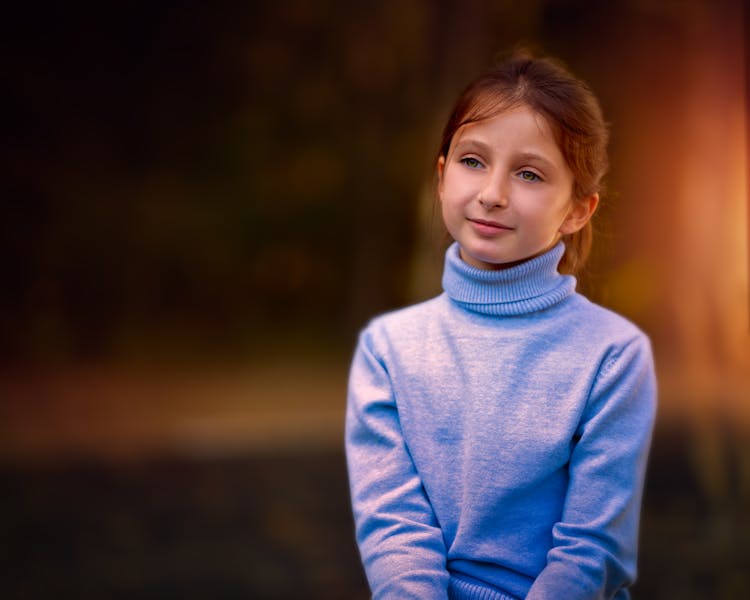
<point>496,440</point>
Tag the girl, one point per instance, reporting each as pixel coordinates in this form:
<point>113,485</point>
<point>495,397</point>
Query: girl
<point>497,434</point>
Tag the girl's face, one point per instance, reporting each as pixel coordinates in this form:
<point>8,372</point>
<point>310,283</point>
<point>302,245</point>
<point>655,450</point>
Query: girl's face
<point>506,190</point>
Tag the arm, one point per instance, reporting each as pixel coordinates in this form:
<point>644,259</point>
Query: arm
<point>398,535</point>
<point>595,543</point>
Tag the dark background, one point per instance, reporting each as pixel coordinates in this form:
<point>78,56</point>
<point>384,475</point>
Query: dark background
<point>202,203</point>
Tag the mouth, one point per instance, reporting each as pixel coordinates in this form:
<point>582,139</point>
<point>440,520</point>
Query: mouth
<point>490,224</point>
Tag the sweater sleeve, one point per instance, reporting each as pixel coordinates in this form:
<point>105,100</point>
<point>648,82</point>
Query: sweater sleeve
<point>595,542</point>
<point>399,539</point>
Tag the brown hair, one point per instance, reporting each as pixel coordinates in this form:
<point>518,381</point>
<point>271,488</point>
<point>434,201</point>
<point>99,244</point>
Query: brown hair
<point>572,112</point>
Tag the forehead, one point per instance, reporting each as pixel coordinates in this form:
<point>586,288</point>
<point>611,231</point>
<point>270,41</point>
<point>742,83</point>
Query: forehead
<point>516,127</point>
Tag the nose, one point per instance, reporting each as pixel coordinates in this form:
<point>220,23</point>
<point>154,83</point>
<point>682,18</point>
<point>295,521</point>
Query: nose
<point>494,194</point>
<point>488,204</point>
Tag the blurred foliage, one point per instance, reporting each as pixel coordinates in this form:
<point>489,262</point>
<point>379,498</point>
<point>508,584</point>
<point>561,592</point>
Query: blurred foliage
<point>187,178</point>
<point>205,174</point>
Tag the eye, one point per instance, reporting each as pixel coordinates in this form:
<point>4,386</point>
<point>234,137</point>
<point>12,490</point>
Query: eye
<point>527,175</point>
<point>472,162</point>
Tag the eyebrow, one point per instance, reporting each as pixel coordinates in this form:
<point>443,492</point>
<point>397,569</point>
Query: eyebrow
<point>467,144</point>
<point>533,156</point>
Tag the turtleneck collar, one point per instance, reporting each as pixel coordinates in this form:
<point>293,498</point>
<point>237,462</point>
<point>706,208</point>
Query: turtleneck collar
<point>531,286</point>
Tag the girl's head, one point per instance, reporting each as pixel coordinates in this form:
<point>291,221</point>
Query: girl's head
<point>568,113</point>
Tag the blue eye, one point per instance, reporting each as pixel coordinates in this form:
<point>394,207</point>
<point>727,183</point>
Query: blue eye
<point>529,176</point>
<point>471,162</point>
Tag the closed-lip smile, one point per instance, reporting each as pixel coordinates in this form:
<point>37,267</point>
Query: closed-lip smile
<point>486,223</point>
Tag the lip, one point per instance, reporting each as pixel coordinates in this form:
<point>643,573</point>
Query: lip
<point>484,227</point>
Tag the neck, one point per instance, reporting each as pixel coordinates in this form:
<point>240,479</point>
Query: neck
<point>530,286</point>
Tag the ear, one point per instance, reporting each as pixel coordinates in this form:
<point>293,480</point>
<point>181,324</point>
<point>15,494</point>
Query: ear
<point>440,171</point>
<point>579,214</point>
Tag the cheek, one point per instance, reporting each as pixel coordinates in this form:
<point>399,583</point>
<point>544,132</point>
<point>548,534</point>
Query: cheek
<point>451,214</point>
<point>446,195</point>
<point>445,209</point>
<point>562,206</point>
<point>456,191</point>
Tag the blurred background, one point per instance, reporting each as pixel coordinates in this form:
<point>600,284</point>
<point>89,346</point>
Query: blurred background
<point>202,203</point>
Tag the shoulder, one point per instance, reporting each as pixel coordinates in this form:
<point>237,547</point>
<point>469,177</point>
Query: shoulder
<point>623,378</point>
<point>624,352</point>
<point>602,339</point>
<point>407,315</point>
<point>597,322</point>
<point>409,323</point>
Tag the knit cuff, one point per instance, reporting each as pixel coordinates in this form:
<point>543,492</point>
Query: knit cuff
<point>461,589</point>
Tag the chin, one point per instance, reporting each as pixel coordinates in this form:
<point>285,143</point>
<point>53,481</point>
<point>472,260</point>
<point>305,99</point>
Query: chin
<point>483,261</point>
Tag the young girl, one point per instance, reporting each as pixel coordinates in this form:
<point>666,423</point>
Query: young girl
<point>497,434</point>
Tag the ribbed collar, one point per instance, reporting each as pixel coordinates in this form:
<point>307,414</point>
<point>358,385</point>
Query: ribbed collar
<point>532,286</point>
